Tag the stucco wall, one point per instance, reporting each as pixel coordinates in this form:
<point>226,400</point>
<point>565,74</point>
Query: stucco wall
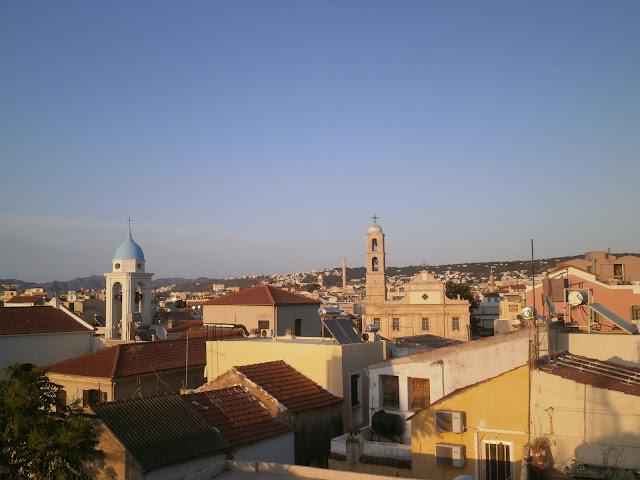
<point>623,349</point>
<point>587,424</point>
<point>43,349</point>
<point>502,420</point>
<point>448,369</point>
<point>250,315</point>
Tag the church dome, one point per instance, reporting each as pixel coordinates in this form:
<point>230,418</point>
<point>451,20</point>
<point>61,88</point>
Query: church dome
<point>375,228</point>
<point>128,250</point>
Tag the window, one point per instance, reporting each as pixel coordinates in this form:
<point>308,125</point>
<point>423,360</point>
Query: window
<point>635,313</point>
<point>396,324</point>
<point>455,323</point>
<point>513,308</point>
<point>376,321</point>
<point>420,393</point>
<point>374,264</point>
<point>355,390</point>
<point>617,270</point>
<point>374,245</point>
<point>425,323</point>
<point>90,397</point>
<point>390,391</point>
<point>498,460</point>
<point>263,324</point>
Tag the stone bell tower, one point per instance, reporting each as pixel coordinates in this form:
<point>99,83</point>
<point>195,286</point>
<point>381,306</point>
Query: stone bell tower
<point>376,283</point>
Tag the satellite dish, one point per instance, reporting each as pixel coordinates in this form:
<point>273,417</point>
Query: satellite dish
<point>528,313</point>
<point>578,298</point>
<point>550,306</point>
<point>161,333</point>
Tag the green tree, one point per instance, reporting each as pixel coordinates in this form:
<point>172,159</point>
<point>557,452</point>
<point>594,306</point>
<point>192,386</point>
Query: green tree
<point>453,289</point>
<point>41,436</point>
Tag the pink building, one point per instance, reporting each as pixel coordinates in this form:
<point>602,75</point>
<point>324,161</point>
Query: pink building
<point>608,268</point>
<point>621,300</point>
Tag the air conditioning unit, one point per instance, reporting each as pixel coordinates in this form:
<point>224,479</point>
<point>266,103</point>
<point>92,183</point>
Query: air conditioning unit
<point>266,332</point>
<point>450,421</point>
<point>450,455</point>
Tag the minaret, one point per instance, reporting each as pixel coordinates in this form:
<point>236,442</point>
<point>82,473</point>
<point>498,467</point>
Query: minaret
<point>128,297</point>
<point>376,279</point>
<point>344,275</point>
<point>492,280</point>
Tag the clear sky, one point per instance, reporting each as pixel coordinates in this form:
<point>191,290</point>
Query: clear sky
<point>245,137</point>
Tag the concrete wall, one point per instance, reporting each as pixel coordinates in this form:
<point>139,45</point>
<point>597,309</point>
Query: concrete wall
<point>277,450</point>
<point>309,315</point>
<point>448,369</point>
<point>502,420</point>
<point>585,424</point>
<point>623,349</point>
<point>328,364</point>
<point>43,349</point>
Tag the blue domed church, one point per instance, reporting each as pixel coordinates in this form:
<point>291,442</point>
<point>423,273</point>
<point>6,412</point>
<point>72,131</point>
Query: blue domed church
<point>128,298</point>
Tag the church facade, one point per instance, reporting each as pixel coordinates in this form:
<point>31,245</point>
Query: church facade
<point>419,308</point>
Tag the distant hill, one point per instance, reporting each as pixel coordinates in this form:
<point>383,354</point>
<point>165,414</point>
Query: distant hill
<point>478,270</point>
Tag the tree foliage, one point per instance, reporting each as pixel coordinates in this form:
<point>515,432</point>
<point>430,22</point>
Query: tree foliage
<point>41,436</point>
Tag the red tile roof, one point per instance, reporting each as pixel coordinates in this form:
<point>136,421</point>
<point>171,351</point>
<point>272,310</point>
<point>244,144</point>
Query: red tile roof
<point>25,299</point>
<point>34,320</point>
<point>134,358</point>
<point>184,325</point>
<point>262,295</point>
<point>288,386</point>
<point>240,417</point>
<point>596,373</point>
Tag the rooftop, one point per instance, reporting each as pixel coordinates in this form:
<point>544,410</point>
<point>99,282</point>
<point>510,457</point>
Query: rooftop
<point>159,431</point>
<point>38,320</point>
<point>25,299</point>
<point>262,295</point>
<point>123,360</point>
<point>288,386</point>
<point>240,417</point>
<point>596,373</point>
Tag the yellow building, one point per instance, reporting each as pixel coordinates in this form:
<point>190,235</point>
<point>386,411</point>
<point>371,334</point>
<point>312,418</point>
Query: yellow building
<point>420,307</point>
<point>479,430</point>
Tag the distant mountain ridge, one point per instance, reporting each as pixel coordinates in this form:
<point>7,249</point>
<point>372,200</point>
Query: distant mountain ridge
<point>478,269</point>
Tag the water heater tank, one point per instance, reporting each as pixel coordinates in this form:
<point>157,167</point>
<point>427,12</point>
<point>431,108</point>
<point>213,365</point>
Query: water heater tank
<point>387,424</point>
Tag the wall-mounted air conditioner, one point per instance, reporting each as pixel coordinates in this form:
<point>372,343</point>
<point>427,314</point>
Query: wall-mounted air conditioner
<point>450,421</point>
<point>266,332</point>
<point>450,455</point>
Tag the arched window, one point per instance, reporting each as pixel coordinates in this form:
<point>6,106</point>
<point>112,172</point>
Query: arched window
<point>374,264</point>
<point>374,245</point>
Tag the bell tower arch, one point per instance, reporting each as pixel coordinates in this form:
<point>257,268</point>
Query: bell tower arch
<point>376,281</point>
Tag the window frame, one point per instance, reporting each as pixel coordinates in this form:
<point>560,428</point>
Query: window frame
<point>455,324</point>
<point>425,388</point>
<point>395,324</point>
<point>425,321</point>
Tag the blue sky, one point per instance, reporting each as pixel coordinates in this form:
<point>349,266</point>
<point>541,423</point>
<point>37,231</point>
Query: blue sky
<point>249,137</point>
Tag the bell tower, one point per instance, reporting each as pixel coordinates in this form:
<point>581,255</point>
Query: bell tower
<point>128,291</point>
<point>376,278</point>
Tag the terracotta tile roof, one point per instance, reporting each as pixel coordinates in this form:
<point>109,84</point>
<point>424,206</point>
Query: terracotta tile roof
<point>596,373</point>
<point>33,320</point>
<point>184,325</point>
<point>160,431</point>
<point>240,417</point>
<point>133,358</point>
<point>25,299</point>
<point>262,295</point>
<point>288,386</point>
